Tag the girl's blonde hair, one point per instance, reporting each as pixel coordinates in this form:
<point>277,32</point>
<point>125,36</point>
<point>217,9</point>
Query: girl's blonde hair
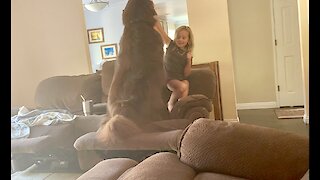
<point>190,43</point>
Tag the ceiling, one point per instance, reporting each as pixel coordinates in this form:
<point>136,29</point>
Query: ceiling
<point>173,11</point>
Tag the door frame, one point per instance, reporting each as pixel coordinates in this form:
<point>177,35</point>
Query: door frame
<point>275,59</point>
<point>275,62</point>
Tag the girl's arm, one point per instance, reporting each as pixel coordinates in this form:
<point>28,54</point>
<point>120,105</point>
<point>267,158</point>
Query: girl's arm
<point>187,68</point>
<point>165,38</point>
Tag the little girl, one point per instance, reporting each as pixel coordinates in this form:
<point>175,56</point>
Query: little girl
<point>177,61</point>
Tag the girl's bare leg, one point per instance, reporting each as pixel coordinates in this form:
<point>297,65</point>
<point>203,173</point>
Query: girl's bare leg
<point>185,91</point>
<point>179,89</point>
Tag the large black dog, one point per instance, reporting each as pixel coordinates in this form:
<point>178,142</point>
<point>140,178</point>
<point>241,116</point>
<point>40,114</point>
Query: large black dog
<point>135,96</point>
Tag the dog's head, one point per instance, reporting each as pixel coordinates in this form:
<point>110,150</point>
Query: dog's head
<point>139,11</point>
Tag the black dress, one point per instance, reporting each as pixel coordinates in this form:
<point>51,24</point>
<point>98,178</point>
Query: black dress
<point>175,61</point>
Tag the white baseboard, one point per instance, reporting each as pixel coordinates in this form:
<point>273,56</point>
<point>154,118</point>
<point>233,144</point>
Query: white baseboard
<point>232,120</point>
<point>257,105</point>
<point>306,119</point>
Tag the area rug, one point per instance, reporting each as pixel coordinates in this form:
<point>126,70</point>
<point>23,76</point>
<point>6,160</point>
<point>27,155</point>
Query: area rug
<point>289,113</point>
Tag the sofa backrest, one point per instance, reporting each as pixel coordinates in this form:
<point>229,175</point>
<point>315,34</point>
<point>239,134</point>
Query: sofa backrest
<point>107,72</point>
<point>64,92</point>
<point>202,81</point>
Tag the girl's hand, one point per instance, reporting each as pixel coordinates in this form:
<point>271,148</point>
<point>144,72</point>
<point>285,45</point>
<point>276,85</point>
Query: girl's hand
<point>157,26</point>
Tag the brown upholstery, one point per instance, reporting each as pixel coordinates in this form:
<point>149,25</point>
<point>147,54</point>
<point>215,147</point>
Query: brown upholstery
<point>111,169</point>
<point>190,107</point>
<point>45,137</point>
<point>160,135</point>
<point>160,166</point>
<point>243,150</point>
<point>197,80</point>
<point>63,92</point>
<point>106,77</point>
<point>217,150</point>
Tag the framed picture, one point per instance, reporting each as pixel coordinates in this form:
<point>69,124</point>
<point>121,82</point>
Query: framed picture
<point>95,35</point>
<point>109,51</point>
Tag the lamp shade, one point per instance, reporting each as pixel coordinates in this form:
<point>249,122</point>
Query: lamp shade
<point>96,6</point>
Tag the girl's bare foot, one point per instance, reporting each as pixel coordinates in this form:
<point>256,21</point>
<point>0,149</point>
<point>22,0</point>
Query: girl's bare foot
<point>170,106</point>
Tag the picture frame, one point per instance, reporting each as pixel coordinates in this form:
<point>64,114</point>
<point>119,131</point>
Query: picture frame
<point>95,35</point>
<point>109,51</point>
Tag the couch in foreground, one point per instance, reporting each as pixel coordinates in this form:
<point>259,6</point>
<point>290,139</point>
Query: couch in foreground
<point>209,150</point>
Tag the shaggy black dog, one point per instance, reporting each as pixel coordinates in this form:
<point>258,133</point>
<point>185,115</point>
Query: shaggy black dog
<point>135,96</point>
<point>139,79</point>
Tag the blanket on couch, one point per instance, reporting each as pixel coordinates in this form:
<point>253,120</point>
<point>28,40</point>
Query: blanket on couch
<point>21,123</point>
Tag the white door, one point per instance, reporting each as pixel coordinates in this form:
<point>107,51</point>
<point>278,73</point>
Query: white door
<point>289,68</point>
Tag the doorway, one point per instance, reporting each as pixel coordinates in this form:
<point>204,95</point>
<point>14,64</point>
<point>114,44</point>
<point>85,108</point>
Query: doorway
<point>288,58</point>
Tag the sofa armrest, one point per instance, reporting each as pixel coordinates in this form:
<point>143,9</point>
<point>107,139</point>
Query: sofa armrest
<point>192,107</point>
<point>14,111</point>
<point>244,150</point>
<point>99,108</point>
<point>161,141</point>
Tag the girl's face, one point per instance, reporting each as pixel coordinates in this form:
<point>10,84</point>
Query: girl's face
<point>182,38</point>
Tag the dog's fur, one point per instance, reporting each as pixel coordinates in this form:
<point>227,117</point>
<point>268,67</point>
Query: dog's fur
<point>137,85</point>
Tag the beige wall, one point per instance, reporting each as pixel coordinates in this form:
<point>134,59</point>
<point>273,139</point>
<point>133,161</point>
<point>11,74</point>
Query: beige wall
<point>51,40</point>
<point>210,24</point>
<point>252,48</point>
<point>304,39</point>
<point>47,38</point>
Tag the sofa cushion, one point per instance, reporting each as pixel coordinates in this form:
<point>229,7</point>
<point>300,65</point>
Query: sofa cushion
<point>120,133</point>
<point>184,105</point>
<point>215,176</point>
<point>85,124</point>
<point>110,169</point>
<point>200,78</point>
<point>202,81</point>
<point>163,165</point>
<point>64,92</point>
<point>44,137</point>
<point>244,150</point>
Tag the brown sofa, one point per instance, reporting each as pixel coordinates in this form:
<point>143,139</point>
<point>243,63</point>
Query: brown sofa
<point>56,142</point>
<point>154,137</point>
<point>48,144</point>
<point>210,149</point>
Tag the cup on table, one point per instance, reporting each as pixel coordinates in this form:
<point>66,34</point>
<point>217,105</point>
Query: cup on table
<point>87,107</point>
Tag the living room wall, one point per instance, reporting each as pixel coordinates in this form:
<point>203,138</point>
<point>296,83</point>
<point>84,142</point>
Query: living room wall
<point>51,39</point>
<point>210,24</point>
<point>47,39</point>
<point>110,19</point>
<point>253,53</point>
